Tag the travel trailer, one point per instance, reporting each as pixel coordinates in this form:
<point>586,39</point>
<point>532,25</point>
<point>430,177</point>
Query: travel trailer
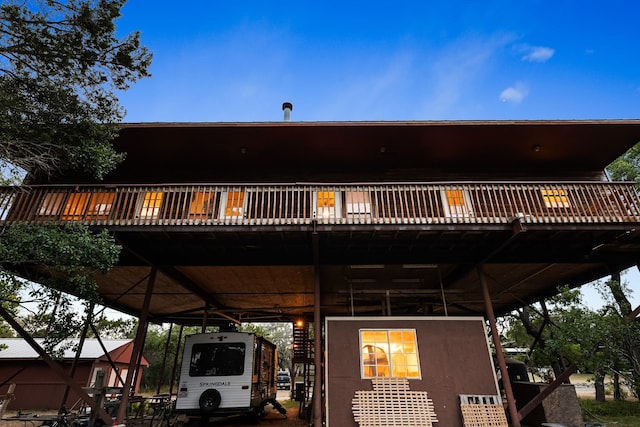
<point>227,373</point>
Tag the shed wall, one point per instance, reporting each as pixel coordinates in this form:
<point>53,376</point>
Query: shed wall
<point>37,387</point>
<point>454,359</point>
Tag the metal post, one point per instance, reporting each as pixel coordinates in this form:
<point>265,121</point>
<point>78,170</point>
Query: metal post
<point>164,359</point>
<point>175,360</point>
<point>511,402</point>
<point>137,348</point>
<point>317,337</point>
<point>83,336</point>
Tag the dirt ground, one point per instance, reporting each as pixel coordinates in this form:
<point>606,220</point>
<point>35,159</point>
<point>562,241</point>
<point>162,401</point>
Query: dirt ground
<point>582,383</point>
<point>272,419</point>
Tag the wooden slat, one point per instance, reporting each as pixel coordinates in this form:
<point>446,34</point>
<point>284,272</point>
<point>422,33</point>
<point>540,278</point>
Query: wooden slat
<point>392,404</point>
<point>496,203</point>
<point>482,411</point>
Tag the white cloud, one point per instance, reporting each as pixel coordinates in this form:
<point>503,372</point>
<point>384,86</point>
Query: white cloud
<point>537,53</point>
<point>514,94</point>
<point>454,73</point>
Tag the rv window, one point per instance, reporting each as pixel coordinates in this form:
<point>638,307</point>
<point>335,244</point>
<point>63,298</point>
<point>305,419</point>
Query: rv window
<point>217,359</point>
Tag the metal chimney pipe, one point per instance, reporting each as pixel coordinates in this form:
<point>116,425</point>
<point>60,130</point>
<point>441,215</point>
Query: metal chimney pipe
<point>287,107</point>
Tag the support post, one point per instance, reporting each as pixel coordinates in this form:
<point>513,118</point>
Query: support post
<point>137,347</point>
<point>511,402</point>
<point>83,336</point>
<point>317,336</point>
<point>164,359</point>
<point>175,361</point>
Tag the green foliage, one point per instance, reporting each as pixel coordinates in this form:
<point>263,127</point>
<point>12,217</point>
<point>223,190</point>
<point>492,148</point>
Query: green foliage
<point>65,255</point>
<point>618,413</point>
<point>279,333</point>
<point>627,166</point>
<point>60,66</point>
<point>114,328</point>
<point>599,342</point>
<point>10,286</point>
<point>154,351</point>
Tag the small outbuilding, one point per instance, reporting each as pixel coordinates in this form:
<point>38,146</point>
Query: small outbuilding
<point>427,370</point>
<point>38,387</point>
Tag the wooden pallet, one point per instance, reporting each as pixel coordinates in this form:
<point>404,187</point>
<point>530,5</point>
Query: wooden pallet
<point>392,404</point>
<point>482,411</point>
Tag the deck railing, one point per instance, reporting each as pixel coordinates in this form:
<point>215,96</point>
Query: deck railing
<point>429,203</point>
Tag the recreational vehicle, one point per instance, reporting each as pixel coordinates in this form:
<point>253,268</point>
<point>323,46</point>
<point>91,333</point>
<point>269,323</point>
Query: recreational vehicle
<point>227,373</point>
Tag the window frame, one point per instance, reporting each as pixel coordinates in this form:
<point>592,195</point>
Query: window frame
<point>391,354</point>
<point>150,204</point>
<point>224,202</point>
<point>332,210</point>
<point>357,204</point>
<point>202,204</point>
<point>555,198</point>
<point>100,205</point>
<point>52,204</point>
<point>465,205</point>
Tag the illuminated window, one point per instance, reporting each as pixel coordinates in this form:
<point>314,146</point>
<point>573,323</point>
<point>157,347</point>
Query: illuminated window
<point>151,203</point>
<point>358,202</point>
<point>234,204</point>
<point>51,204</point>
<point>389,353</point>
<point>326,204</point>
<point>555,198</point>
<point>202,204</point>
<point>75,207</point>
<point>456,203</point>
<point>100,205</point>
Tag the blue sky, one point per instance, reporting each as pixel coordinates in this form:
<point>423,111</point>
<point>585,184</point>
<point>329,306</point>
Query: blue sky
<point>222,61</point>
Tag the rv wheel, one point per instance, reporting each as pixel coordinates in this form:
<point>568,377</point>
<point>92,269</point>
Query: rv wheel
<point>209,400</point>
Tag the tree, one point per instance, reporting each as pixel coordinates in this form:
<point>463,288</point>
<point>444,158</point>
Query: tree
<point>279,333</point>
<point>627,166</point>
<point>627,330</point>
<point>60,66</point>
<point>604,342</point>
